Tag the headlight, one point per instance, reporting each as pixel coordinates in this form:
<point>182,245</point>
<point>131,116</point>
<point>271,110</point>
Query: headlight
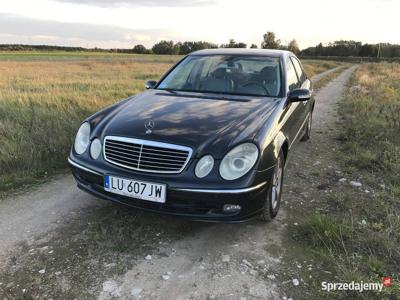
<point>82,138</point>
<point>238,161</point>
<point>95,148</point>
<point>204,166</point>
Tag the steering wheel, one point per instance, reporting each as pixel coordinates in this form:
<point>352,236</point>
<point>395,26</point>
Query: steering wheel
<point>255,83</point>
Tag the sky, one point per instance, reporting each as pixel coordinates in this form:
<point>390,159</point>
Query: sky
<point>125,23</point>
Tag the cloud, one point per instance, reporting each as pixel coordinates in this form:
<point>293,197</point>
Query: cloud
<point>143,3</point>
<point>17,29</point>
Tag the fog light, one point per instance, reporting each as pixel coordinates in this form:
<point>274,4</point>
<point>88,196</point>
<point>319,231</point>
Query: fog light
<point>204,166</point>
<point>230,208</point>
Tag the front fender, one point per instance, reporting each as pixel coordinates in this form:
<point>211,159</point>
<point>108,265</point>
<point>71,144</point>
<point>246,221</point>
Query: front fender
<point>270,153</point>
<point>271,138</point>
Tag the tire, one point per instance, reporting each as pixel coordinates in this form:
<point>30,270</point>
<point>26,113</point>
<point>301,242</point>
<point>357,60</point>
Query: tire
<point>307,132</point>
<point>274,194</point>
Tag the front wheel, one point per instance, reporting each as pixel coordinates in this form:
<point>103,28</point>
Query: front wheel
<point>274,194</point>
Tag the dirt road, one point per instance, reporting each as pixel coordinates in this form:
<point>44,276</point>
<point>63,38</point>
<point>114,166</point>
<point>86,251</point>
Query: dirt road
<point>59,241</point>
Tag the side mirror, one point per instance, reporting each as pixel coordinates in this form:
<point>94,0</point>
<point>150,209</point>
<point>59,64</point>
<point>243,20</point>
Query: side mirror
<point>150,84</point>
<point>299,95</point>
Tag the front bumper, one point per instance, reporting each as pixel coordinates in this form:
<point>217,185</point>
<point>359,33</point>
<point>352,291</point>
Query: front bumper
<point>193,203</point>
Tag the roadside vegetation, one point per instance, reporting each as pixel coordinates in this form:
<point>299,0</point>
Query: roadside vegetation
<point>351,231</point>
<point>45,96</point>
<point>370,243</point>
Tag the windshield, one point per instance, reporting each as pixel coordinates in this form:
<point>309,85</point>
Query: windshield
<point>229,74</point>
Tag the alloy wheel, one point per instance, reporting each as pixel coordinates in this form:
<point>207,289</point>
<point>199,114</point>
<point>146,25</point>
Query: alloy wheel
<point>276,184</point>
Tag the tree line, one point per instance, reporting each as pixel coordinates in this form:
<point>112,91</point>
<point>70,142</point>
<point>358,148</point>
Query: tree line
<point>169,47</point>
<point>340,48</point>
<point>166,47</point>
<point>352,48</point>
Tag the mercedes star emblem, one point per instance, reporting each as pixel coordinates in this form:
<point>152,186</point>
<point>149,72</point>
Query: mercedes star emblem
<point>149,125</point>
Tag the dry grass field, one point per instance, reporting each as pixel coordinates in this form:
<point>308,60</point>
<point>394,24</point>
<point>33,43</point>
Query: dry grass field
<point>45,96</point>
<point>43,101</point>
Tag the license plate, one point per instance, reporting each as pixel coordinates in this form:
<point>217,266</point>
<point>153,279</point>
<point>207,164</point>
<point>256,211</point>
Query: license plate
<point>135,188</point>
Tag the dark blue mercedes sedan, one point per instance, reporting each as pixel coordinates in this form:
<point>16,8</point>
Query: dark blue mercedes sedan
<point>208,141</point>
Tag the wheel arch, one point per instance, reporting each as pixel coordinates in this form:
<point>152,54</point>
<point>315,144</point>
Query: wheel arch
<point>271,152</point>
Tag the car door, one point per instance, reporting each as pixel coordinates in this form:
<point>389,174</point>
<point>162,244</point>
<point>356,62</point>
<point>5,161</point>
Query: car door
<point>293,111</point>
<point>304,83</point>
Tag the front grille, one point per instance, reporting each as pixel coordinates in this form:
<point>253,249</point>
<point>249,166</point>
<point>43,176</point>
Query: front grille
<point>146,156</point>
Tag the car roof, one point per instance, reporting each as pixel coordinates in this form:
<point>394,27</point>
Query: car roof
<point>243,51</point>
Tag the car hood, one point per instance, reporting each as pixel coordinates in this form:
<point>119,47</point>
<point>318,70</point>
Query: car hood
<point>204,122</point>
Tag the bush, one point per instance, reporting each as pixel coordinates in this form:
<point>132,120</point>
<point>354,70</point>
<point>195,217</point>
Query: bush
<point>165,47</point>
<point>140,49</point>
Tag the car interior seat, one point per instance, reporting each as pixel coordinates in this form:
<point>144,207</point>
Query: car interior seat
<point>218,82</point>
<point>269,78</point>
